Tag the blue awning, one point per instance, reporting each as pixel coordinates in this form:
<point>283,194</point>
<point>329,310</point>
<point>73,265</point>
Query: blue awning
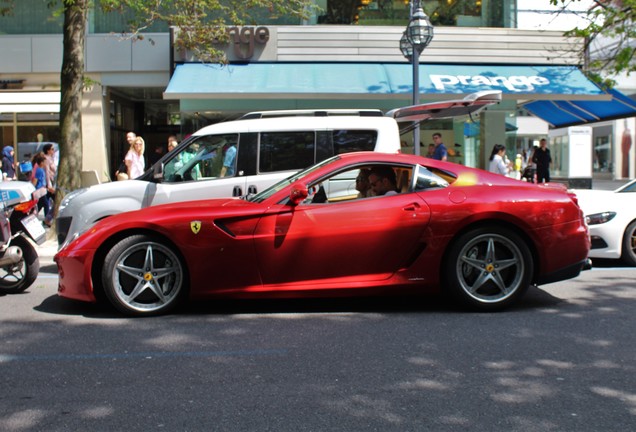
<point>571,113</point>
<point>276,80</point>
<point>560,95</point>
<point>375,81</point>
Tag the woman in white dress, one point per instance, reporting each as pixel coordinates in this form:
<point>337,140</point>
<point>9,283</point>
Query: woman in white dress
<point>498,163</point>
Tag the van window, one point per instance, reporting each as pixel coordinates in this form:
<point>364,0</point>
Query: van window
<point>285,151</point>
<point>345,141</point>
<point>205,158</point>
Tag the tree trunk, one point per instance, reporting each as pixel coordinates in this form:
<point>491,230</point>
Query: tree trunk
<point>72,83</point>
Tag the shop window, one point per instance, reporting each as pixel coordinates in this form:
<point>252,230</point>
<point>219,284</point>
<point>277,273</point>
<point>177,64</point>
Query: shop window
<point>560,151</point>
<point>602,157</point>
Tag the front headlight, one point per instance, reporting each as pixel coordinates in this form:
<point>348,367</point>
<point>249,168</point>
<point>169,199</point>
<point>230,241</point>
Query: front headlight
<point>71,196</point>
<point>599,218</point>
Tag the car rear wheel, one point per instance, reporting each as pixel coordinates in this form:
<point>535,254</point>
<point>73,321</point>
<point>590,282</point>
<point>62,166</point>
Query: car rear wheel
<point>143,276</point>
<point>488,269</point>
<point>629,244</point>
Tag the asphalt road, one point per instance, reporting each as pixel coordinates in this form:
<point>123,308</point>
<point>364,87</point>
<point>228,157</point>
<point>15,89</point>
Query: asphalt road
<point>563,360</point>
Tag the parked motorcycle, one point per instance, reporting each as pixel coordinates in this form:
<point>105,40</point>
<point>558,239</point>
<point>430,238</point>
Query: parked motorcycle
<point>19,228</point>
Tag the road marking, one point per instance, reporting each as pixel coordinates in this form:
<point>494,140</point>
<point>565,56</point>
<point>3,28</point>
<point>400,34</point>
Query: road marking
<point>6,358</point>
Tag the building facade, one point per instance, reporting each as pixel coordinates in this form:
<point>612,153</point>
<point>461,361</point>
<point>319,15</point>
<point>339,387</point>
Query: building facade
<point>153,89</point>
<point>612,142</point>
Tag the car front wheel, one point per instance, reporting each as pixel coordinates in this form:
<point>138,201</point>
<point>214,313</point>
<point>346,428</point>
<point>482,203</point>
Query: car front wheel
<point>143,276</point>
<point>488,269</point>
<point>629,244</point>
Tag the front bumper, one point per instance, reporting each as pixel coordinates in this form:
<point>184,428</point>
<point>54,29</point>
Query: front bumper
<point>606,240</point>
<point>62,224</point>
<point>74,270</point>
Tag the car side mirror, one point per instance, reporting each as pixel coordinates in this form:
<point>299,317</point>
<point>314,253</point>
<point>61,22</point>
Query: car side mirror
<point>298,194</point>
<point>157,172</point>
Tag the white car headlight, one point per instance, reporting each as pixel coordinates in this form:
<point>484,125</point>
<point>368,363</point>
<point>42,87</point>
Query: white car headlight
<point>599,218</point>
<point>69,197</point>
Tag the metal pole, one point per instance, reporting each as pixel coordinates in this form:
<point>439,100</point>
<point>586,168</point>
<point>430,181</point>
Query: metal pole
<point>415,59</point>
<point>416,96</point>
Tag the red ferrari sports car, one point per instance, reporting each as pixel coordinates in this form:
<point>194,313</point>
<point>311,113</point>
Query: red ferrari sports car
<point>426,227</point>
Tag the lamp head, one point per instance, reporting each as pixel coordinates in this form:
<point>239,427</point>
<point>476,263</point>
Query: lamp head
<point>406,47</point>
<point>420,30</point>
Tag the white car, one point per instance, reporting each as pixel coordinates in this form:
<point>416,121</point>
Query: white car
<point>611,216</point>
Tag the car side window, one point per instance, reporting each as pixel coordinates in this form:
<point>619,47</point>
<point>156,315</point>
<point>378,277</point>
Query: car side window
<point>286,151</point>
<point>354,184</point>
<point>208,157</point>
<point>345,141</point>
<point>426,179</point>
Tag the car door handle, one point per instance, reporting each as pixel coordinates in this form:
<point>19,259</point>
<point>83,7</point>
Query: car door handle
<point>237,192</point>
<point>412,207</point>
<point>251,189</point>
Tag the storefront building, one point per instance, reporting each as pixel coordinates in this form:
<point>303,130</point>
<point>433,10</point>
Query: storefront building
<point>153,89</point>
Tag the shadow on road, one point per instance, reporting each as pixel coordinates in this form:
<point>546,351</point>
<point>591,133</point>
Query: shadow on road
<point>49,268</point>
<point>609,263</point>
<point>534,298</point>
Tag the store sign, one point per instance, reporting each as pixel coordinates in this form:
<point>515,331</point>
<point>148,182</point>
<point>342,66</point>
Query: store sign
<point>511,83</point>
<point>244,39</point>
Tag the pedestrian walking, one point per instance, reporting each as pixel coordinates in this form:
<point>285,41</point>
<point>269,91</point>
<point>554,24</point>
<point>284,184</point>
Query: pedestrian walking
<point>542,159</point>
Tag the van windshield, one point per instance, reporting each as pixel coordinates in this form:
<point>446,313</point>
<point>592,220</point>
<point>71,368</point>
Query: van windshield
<point>263,195</point>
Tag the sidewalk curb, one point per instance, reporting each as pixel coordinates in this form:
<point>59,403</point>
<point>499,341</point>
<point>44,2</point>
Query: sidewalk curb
<point>48,249</point>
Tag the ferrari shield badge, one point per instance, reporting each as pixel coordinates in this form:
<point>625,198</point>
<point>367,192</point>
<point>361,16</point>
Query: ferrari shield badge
<point>195,226</point>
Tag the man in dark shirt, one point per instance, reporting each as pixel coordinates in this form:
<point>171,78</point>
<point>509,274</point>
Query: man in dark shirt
<point>440,152</point>
<point>542,159</point>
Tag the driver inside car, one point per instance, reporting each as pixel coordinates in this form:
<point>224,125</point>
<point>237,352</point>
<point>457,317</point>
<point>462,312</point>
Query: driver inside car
<point>383,180</point>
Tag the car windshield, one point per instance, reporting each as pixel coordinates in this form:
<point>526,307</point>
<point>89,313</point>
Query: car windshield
<point>629,187</point>
<point>263,195</point>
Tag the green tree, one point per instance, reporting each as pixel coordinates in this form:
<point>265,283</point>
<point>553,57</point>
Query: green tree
<point>610,44</point>
<point>201,23</point>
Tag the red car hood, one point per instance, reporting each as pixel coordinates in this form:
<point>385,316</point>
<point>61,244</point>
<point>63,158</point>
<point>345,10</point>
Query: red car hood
<point>209,208</point>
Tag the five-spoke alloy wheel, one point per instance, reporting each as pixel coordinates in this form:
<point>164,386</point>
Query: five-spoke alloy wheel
<point>142,275</point>
<point>488,268</point>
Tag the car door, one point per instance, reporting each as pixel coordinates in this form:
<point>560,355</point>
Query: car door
<point>343,241</point>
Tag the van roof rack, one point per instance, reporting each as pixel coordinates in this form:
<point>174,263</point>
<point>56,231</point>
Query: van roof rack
<point>313,113</point>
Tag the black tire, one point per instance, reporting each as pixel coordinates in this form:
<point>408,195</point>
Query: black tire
<point>629,245</point>
<point>143,276</point>
<point>488,269</point>
<point>15,278</point>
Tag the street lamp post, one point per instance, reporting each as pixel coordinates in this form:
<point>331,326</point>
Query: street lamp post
<point>416,37</point>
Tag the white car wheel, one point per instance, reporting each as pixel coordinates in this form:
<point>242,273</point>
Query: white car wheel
<point>629,244</point>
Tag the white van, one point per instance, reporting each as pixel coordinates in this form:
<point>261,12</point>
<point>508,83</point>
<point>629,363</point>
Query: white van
<point>245,156</point>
